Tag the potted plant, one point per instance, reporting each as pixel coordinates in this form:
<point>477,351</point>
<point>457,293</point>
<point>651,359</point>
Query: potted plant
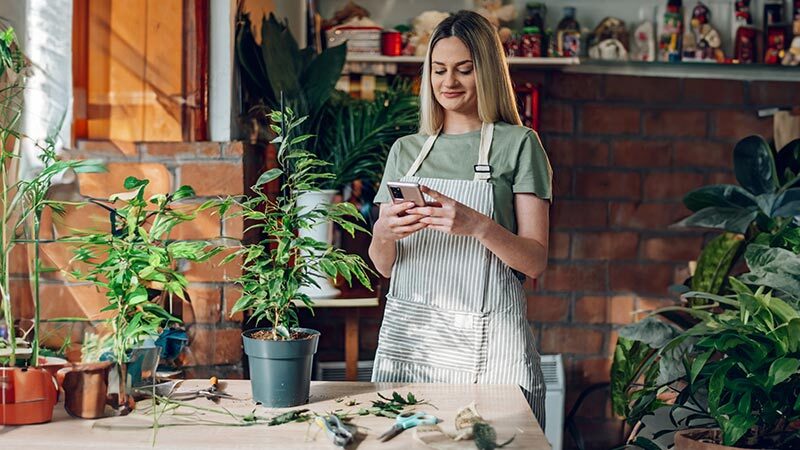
<point>280,263</point>
<point>133,260</point>
<point>729,361</point>
<point>27,392</point>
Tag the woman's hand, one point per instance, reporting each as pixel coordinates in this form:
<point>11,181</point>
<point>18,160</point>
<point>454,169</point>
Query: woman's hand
<point>450,216</point>
<point>393,224</point>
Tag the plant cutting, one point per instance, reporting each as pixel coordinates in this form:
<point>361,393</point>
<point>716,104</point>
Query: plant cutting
<point>135,265</point>
<point>280,263</point>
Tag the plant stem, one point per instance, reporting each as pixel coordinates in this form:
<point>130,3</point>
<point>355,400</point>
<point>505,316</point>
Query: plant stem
<point>36,267</point>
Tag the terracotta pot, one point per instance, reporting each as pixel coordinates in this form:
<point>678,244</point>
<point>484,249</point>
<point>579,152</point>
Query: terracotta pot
<point>85,389</point>
<point>27,395</point>
<point>694,439</point>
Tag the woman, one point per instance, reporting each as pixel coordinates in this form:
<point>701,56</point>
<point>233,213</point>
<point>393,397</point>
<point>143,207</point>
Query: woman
<point>456,309</point>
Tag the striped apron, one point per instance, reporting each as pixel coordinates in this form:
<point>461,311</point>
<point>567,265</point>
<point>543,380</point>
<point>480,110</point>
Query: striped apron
<point>456,313</point>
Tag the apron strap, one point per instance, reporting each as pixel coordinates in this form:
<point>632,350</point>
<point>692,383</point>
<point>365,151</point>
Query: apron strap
<point>483,171</point>
<point>426,148</point>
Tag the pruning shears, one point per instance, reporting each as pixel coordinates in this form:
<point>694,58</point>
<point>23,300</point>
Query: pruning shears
<point>213,392</point>
<point>408,420</point>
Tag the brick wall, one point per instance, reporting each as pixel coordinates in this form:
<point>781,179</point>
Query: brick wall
<point>212,169</point>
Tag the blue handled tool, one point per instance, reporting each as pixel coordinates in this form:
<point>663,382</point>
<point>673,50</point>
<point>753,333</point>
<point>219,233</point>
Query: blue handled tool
<point>337,431</point>
<point>408,420</point>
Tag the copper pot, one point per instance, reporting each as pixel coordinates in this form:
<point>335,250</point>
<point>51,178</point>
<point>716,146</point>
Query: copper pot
<point>85,389</point>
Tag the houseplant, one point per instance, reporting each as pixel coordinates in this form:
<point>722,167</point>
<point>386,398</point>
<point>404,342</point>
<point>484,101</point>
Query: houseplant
<point>134,263</point>
<point>275,268</point>
<point>689,357</point>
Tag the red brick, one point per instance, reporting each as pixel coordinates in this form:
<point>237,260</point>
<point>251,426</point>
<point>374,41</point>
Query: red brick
<point>605,245</point>
<point>608,184</point>
<point>572,340</point>
<point>672,248</point>
<point>182,150</point>
<point>206,303</point>
<point>209,179</point>
<point>605,119</point>
<point>84,218</point>
<point>55,259</point>
<point>646,305</point>
<point>722,178</point>
<point>642,153</point>
<point>586,277</point>
<point>703,92</point>
<point>231,294</point>
<point>97,148</point>
<point>547,308</point>
<point>642,89</point>
<point>565,86</point>
<point>671,185</point>
<point>640,278</point>
<point>703,154</point>
<point>21,299</point>
<point>211,270</point>
<point>232,227</point>
<point>562,183</point>
<point>738,124</point>
<point>214,346</point>
<point>775,93</point>
<point>235,148</point>
<point>675,123</point>
<point>559,245</point>
<point>569,152</point>
<point>558,118</point>
<point>600,309</point>
<point>206,225</point>
<point>646,215</point>
<point>18,260</point>
<point>103,184</point>
<point>585,372</point>
<point>579,214</point>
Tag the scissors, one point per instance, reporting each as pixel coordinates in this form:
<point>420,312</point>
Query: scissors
<point>335,429</point>
<point>213,392</point>
<point>408,420</point>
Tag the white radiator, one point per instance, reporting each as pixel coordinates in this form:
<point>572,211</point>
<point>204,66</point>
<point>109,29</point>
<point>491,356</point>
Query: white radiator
<point>552,368</point>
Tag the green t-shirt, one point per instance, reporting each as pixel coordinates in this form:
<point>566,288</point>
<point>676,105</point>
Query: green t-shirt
<point>519,165</point>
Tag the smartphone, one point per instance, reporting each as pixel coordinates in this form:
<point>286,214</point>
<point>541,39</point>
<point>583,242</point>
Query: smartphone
<point>403,191</point>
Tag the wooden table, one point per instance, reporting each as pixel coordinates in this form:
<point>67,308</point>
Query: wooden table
<point>503,406</point>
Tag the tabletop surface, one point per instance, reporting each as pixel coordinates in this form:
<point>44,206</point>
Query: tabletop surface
<point>503,406</point>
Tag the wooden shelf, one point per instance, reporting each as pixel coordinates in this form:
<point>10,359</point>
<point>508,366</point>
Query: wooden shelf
<point>515,61</point>
<point>742,72</point>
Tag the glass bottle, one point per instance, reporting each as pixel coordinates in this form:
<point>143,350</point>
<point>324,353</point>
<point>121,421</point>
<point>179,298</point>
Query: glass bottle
<point>568,34</point>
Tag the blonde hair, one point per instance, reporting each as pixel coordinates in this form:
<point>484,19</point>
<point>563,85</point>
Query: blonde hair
<point>496,101</point>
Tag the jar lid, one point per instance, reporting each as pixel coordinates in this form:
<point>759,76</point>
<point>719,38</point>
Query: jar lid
<point>531,30</point>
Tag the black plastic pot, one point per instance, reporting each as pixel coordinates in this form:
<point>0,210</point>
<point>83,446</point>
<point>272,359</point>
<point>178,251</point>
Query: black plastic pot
<point>280,371</point>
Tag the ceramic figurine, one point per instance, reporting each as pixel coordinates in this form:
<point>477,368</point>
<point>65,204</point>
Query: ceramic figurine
<point>702,41</point>
<point>774,32</point>
<point>568,34</point>
<point>609,40</point>
<point>792,56</point>
<point>744,34</point>
<point>643,43</point>
<point>669,42</point>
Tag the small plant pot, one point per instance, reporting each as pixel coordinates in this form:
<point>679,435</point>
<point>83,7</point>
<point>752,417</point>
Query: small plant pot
<point>27,396</point>
<point>700,439</point>
<point>85,389</point>
<point>280,371</point>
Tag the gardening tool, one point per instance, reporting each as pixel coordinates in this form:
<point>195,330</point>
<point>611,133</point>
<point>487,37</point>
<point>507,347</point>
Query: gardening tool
<point>213,392</point>
<point>337,431</point>
<point>408,420</point>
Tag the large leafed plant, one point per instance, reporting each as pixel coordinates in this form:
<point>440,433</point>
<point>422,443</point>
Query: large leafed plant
<point>276,267</point>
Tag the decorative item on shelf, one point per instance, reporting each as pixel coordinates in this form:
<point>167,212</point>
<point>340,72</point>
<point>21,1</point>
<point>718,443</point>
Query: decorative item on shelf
<point>746,36</point>
<point>422,28</point>
<point>363,36</point>
<point>536,15</point>
<point>528,104</point>
<point>643,44</point>
<point>568,34</point>
<point>609,40</point>
<point>796,17</point>
<point>391,43</point>
<point>495,12</point>
<point>280,263</point>
<point>671,32</point>
<point>792,56</point>
<point>529,43</point>
<point>702,42</point>
<point>350,11</point>
<point>775,39</point>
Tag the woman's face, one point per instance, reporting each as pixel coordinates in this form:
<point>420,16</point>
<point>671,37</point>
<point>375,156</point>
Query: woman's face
<point>453,76</point>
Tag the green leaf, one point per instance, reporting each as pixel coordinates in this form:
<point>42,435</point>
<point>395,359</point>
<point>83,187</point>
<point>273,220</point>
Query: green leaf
<point>132,183</point>
<point>735,220</point>
<point>715,262</point>
<point>139,295</point>
<point>720,195</point>
<point>183,192</point>
<point>787,204</point>
<point>650,331</point>
<point>268,176</point>
<point>754,165</point>
<point>787,163</point>
<point>781,369</point>
<point>773,267</point>
<point>698,364</point>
